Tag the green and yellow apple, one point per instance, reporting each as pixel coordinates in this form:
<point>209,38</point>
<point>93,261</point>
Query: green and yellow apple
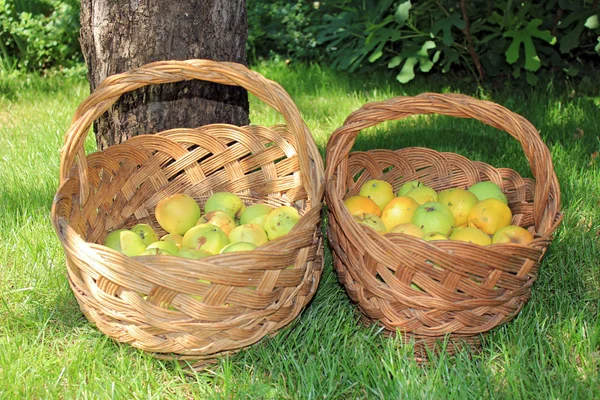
<point>146,232</point>
<point>512,234</point>
<point>173,238</point>
<point>398,211</point>
<point>193,254</point>
<point>407,187</point>
<point>433,217</point>
<point>207,237</point>
<point>423,194</point>
<point>255,214</point>
<point>431,236</point>
<point>471,235</point>
<point>409,229</point>
<point>230,203</point>
<point>489,215</point>
<point>218,218</point>
<point>488,190</point>
<point>177,213</point>
<point>156,252</point>
<point>460,202</point>
<point>370,220</point>
<point>161,244</point>
<point>251,233</point>
<point>126,242</point>
<point>280,221</point>
<point>381,192</point>
<point>237,246</point>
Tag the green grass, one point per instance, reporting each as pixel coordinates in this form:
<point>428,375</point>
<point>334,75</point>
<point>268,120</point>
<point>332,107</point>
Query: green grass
<point>551,350</point>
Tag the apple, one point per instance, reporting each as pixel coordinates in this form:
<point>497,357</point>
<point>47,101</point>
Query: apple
<point>407,187</point>
<point>370,220</point>
<point>126,242</point>
<point>471,235</point>
<point>398,211</point>
<point>161,244</point>
<point>255,214</point>
<point>251,233</point>
<point>205,237</point>
<point>193,254</point>
<point>146,232</point>
<point>280,221</point>
<point>423,194</point>
<point>512,234</point>
<point>220,219</point>
<point>433,217</point>
<point>156,252</point>
<point>361,205</point>
<point>408,229</point>
<point>173,238</point>
<point>227,202</point>
<point>431,236</point>
<point>379,191</point>
<point>460,202</point>
<point>488,190</point>
<point>489,215</point>
<point>237,246</point>
<point>177,213</point>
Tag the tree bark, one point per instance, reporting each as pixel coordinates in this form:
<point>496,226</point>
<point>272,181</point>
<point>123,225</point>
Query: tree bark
<point>120,35</point>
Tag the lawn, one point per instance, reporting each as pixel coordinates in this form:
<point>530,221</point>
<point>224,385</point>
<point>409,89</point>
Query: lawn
<point>551,350</point>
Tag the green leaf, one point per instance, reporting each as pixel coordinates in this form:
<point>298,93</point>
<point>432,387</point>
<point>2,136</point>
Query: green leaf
<point>394,62</point>
<point>525,36</point>
<point>402,11</point>
<point>407,73</point>
<point>445,25</point>
<point>597,48</point>
<point>531,78</point>
<point>592,22</point>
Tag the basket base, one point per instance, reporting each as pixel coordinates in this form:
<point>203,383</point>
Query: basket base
<point>427,346</point>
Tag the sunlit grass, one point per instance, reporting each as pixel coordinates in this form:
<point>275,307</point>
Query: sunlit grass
<point>551,350</point>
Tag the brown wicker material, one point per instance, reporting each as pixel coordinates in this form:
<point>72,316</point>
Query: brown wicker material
<point>250,294</point>
<point>467,289</point>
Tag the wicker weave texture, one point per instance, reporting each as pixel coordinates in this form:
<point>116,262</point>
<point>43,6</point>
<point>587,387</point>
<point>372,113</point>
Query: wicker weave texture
<point>467,289</point>
<point>175,307</point>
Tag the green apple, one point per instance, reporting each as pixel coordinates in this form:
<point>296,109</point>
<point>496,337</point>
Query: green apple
<point>251,233</point>
<point>218,218</point>
<point>423,194</point>
<point>407,187</point>
<point>125,241</point>
<point>433,217</point>
<point>177,213</point>
<point>487,190</point>
<point>381,192</point>
<point>370,220</point>
<point>255,214</point>
<point>146,232</point>
<point>237,246</point>
<point>280,221</point>
<point>193,254</point>
<point>155,251</point>
<point>227,202</point>
<point>205,237</point>
<point>161,244</point>
<point>173,238</point>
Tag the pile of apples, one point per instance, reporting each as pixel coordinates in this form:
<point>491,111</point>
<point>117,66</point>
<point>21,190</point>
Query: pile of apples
<point>226,226</point>
<point>479,214</point>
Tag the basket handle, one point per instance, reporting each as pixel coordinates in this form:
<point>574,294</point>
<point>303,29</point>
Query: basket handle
<point>547,191</point>
<point>226,73</point>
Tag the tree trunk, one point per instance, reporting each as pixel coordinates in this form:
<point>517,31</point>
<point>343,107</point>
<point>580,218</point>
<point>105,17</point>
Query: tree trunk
<point>119,35</point>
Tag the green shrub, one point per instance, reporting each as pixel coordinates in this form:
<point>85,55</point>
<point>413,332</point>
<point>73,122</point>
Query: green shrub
<point>39,34</point>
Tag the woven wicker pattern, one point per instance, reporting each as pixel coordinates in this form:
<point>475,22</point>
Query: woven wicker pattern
<point>175,307</point>
<point>467,289</point>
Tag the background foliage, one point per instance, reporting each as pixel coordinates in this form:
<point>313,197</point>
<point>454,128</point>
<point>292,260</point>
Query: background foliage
<point>505,39</point>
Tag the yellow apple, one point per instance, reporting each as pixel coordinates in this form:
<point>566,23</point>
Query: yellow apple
<point>205,237</point>
<point>407,229</point>
<point>218,218</point>
<point>379,191</point>
<point>255,214</point>
<point>423,194</point>
<point>126,242</point>
<point>251,233</point>
<point>489,215</point>
<point>361,205</point>
<point>237,246</point>
<point>433,217</point>
<point>280,221</point>
<point>173,238</point>
<point>431,236</point>
<point>471,235</point>
<point>512,234</point>
<point>460,202</point>
<point>227,202</point>
<point>398,211</point>
<point>177,213</point>
<point>370,220</point>
<point>488,190</point>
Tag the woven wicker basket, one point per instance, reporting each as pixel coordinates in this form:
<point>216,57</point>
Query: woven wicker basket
<point>467,289</point>
<point>250,294</point>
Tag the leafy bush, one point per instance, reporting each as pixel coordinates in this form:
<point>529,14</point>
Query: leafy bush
<point>39,34</point>
<point>496,38</point>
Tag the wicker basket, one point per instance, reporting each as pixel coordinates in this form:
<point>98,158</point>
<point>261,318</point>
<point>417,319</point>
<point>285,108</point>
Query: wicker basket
<point>162,304</point>
<point>467,289</point>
